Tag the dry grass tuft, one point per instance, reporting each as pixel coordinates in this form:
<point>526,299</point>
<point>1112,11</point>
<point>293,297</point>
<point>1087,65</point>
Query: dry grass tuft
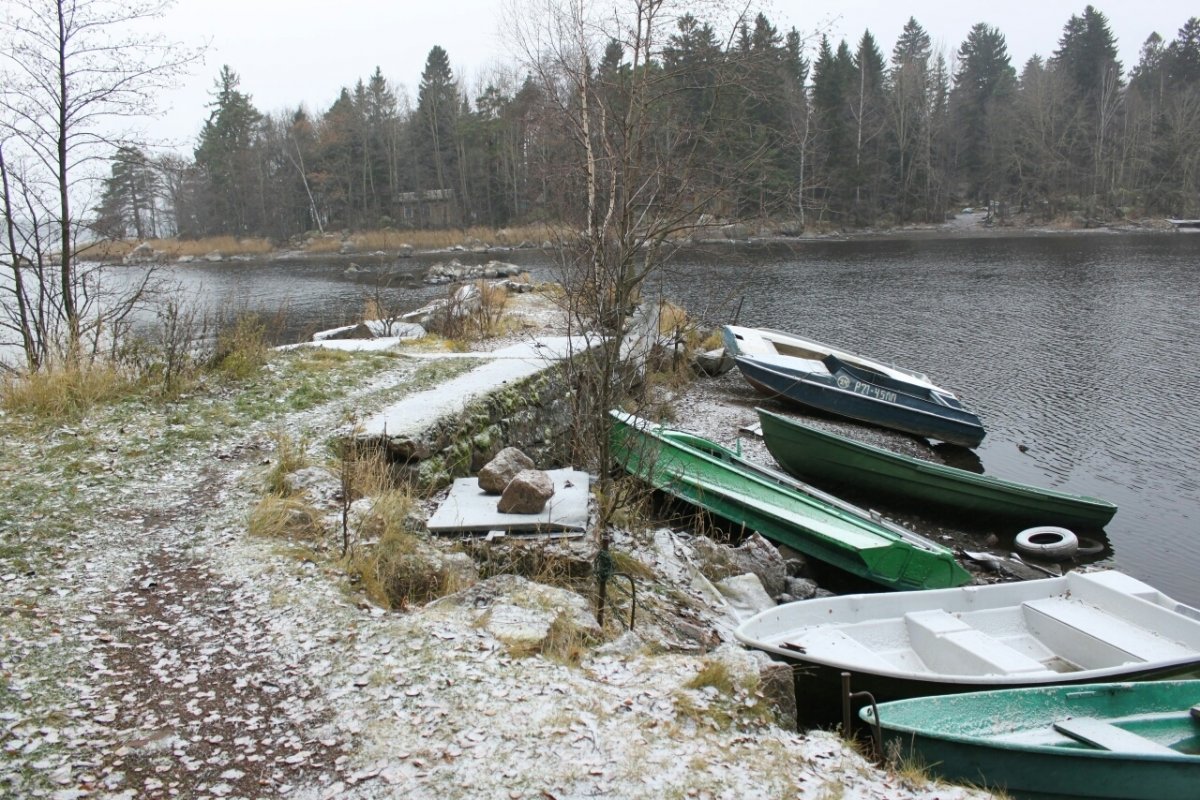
<point>64,393</point>
<point>715,674</point>
<point>624,562</point>
<point>567,643</point>
<point>177,248</point>
<point>286,518</point>
<point>291,454</point>
<point>399,572</point>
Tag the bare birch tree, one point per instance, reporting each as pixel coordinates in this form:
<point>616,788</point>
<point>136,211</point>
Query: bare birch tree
<point>73,73</point>
<point>629,190</point>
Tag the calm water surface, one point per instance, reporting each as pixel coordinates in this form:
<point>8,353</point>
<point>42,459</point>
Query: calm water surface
<point>1084,349</point>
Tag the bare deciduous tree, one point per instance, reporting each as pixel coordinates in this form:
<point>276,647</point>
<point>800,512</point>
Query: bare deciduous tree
<point>634,185</point>
<point>73,73</point>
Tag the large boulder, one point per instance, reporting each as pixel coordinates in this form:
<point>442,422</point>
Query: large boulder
<point>527,493</point>
<point>496,474</point>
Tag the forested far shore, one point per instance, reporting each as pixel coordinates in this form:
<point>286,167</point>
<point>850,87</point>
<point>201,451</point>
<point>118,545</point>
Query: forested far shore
<point>824,134</point>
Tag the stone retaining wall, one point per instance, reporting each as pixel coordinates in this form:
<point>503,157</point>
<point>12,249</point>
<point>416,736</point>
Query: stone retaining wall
<point>534,414</point>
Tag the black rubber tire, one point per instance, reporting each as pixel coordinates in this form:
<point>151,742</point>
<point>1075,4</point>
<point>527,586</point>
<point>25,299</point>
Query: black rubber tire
<point>1089,547</point>
<point>1048,542</point>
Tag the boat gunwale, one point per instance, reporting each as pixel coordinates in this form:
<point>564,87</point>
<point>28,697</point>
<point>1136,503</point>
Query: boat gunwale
<point>910,730</point>
<point>973,426</point>
<point>918,378</point>
<point>940,470</point>
<point>1060,587</point>
<point>861,524</point>
<point>760,476</point>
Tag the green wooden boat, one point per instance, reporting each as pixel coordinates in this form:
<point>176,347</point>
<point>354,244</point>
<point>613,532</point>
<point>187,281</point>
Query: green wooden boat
<point>782,509</point>
<point>1131,741</point>
<point>817,455</point>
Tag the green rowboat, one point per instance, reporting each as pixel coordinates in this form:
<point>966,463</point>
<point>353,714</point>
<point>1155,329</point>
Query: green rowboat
<point>1131,741</point>
<point>820,456</point>
<point>784,510</point>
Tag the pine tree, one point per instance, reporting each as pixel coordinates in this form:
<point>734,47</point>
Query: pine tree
<point>867,113</point>
<point>128,201</point>
<point>834,81</point>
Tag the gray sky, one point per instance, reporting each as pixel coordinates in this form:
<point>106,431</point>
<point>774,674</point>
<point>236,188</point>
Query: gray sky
<point>289,52</point>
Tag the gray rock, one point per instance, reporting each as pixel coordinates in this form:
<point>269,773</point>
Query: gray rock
<point>796,567</point>
<point>802,588</point>
<point>527,493</point>
<point>522,613</point>
<point>317,485</point>
<point>496,474</point>
<point>755,555</point>
<point>746,594</point>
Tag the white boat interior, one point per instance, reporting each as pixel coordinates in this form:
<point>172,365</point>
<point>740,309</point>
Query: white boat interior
<point>763,343</point>
<point>1094,624</point>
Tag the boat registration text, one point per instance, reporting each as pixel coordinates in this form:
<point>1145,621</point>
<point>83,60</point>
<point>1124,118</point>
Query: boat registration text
<point>874,392</point>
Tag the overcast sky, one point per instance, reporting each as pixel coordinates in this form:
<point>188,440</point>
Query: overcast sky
<point>289,52</point>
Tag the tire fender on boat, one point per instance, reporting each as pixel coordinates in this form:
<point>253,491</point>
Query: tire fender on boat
<point>1048,542</point>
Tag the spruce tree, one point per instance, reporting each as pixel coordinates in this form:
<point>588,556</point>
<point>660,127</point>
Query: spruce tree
<point>983,90</point>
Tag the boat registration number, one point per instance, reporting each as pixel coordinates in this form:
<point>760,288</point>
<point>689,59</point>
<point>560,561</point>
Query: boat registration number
<point>874,392</point>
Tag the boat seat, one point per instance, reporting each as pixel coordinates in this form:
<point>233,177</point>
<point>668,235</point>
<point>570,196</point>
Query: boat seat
<point>1102,735</point>
<point>947,644</point>
<point>1053,619</point>
<point>834,645</point>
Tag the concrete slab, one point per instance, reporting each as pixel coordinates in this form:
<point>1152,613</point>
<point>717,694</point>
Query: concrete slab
<point>349,345</point>
<point>417,412</point>
<point>378,328</point>
<point>469,509</point>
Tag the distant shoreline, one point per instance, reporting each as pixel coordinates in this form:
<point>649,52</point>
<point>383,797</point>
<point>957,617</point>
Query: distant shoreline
<point>962,226</point>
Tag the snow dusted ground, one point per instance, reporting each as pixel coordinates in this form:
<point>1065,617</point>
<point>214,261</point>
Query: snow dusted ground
<point>150,648</point>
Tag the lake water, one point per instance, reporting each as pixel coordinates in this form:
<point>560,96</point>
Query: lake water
<point>1084,349</point>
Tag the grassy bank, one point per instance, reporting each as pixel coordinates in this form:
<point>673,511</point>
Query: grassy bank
<point>387,240</point>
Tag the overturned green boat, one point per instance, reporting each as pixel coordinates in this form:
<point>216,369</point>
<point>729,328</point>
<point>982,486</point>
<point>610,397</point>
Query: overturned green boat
<point>819,455</point>
<point>782,509</point>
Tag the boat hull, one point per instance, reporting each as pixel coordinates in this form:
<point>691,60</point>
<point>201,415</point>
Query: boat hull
<point>1006,740</point>
<point>828,459</point>
<point>716,479</point>
<point>841,394</point>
